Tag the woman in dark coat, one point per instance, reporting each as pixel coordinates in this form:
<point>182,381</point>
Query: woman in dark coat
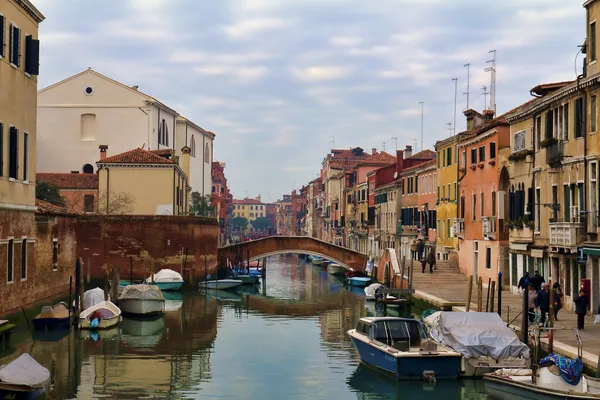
<point>582,305</point>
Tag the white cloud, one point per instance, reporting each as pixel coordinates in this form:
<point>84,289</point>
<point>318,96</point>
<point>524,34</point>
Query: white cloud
<point>240,73</point>
<point>321,73</point>
<point>345,41</point>
<point>247,28</point>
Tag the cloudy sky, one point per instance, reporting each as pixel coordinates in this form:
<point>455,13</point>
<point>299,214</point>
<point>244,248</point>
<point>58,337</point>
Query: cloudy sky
<point>279,80</point>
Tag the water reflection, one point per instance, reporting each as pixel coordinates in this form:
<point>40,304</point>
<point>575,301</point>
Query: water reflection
<point>285,340</point>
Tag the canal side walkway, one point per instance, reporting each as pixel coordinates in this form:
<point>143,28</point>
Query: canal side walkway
<point>447,289</point>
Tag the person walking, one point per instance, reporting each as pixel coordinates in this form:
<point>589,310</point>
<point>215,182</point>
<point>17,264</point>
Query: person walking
<point>420,249</point>
<point>431,261</point>
<point>537,280</point>
<point>582,305</point>
<point>558,299</point>
<point>531,298</point>
<point>543,302</point>
<point>523,282</point>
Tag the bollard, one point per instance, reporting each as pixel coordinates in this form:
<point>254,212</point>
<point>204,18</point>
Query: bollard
<point>479,294</point>
<point>469,293</point>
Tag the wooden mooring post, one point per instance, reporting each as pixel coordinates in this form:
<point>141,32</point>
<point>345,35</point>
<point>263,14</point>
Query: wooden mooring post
<point>410,276</point>
<point>479,294</point>
<point>469,293</point>
<point>492,293</point>
<point>116,279</point>
<point>551,320</point>
<point>487,299</point>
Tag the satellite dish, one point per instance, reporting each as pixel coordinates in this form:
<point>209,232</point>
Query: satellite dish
<point>396,175</point>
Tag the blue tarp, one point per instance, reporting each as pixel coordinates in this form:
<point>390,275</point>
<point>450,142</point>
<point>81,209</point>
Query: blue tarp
<point>570,370</point>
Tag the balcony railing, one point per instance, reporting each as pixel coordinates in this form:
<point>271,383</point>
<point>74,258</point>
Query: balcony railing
<point>554,153</point>
<point>489,226</point>
<point>565,234</point>
<point>459,227</point>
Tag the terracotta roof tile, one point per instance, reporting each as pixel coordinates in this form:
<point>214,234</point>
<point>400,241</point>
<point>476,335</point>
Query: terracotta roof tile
<point>423,155</point>
<point>247,201</point>
<point>46,208</point>
<point>136,156</point>
<point>163,152</point>
<point>69,181</point>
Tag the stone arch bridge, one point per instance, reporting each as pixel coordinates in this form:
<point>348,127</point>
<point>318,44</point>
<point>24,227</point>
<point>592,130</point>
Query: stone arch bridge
<point>274,245</point>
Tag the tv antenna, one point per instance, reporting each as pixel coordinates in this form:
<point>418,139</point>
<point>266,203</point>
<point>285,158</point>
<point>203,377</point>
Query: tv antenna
<point>450,127</point>
<point>485,93</point>
<point>492,69</point>
<point>332,141</point>
<point>468,65</point>
<point>383,145</point>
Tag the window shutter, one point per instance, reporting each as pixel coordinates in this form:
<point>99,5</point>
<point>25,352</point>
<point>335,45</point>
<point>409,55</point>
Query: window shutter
<point>11,43</point>
<point>2,36</point>
<point>32,55</point>
<point>18,36</point>
<point>13,152</point>
<point>549,124</point>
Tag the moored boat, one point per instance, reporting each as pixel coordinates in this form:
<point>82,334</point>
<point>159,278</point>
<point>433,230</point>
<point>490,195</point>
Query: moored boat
<point>336,269</point>
<point>221,284</point>
<point>167,279</point>
<point>359,281</point>
<point>23,378</point>
<point>399,347</point>
<point>483,339</point>
<point>315,260</point>
<point>247,279</point>
<point>106,313</point>
<point>53,317</point>
<point>141,299</point>
<point>371,290</point>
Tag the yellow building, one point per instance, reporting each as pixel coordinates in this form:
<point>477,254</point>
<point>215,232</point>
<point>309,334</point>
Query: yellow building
<point>142,182</point>
<point>19,67</point>
<point>251,209</point>
<point>447,186</point>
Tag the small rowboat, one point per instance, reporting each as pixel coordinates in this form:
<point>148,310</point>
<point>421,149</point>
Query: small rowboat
<point>53,317</point>
<point>109,313</point>
<point>220,284</point>
<point>23,378</point>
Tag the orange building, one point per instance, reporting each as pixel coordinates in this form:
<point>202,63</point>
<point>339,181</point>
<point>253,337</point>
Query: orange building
<point>79,191</point>
<point>482,237</point>
<point>426,176</point>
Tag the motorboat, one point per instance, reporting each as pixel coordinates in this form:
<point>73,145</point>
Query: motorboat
<point>371,289</point>
<point>247,279</point>
<point>23,378</point>
<point>167,279</point>
<point>399,347</point>
<point>336,269</point>
<point>359,281</point>
<point>91,297</point>
<point>142,299</point>
<point>220,284</point>
<point>315,260</point>
<point>483,339</point>
<point>53,317</point>
<point>107,314</point>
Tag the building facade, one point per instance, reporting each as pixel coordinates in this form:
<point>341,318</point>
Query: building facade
<point>79,191</point>
<point>220,197</point>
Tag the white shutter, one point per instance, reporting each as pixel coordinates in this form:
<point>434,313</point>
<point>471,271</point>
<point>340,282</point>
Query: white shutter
<point>501,199</point>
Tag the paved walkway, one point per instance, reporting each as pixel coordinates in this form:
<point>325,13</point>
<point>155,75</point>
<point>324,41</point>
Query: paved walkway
<point>447,288</point>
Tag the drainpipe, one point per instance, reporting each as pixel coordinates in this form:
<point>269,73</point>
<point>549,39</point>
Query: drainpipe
<point>107,188</point>
<point>203,162</point>
<point>174,189</point>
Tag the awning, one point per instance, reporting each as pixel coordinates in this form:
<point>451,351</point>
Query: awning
<point>538,253</point>
<point>518,246</point>
<point>591,251</point>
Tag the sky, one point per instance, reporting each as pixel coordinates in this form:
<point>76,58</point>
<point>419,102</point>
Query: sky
<point>281,81</point>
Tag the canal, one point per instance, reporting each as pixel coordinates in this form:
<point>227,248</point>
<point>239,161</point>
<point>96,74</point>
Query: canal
<point>285,341</point>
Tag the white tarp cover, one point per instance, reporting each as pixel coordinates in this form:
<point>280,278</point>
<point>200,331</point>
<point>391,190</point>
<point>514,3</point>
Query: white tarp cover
<point>145,292</point>
<point>92,297</point>
<point>370,290</point>
<point>166,275</point>
<point>24,371</point>
<point>476,334</point>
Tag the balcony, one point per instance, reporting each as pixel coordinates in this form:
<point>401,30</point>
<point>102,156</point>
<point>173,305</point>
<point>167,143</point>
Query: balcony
<point>459,227</point>
<point>489,227</point>
<point>565,234</point>
<point>554,152</point>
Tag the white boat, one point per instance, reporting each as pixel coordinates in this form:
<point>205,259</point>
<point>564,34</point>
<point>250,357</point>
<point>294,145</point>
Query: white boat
<point>316,260</point>
<point>91,297</point>
<point>220,284</point>
<point>167,279</point>
<point>140,333</point>
<point>370,291</point>
<point>335,269</point>
<point>23,378</point>
<point>483,339</point>
<point>109,315</point>
<point>142,299</point>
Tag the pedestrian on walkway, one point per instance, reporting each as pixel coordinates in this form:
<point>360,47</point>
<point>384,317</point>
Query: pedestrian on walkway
<point>431,261</point>
<point>558,299</point>
<point>423,264</point>
<point>532,295</point>
<point>420,249</point>
<point>523,282</point>
<point>582,305</point>
<point>543,302</point>
<point>537,281</point>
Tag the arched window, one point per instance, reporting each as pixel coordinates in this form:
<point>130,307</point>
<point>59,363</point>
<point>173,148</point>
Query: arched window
<point>88,169</point>
<point>163,133</point>
<point>193,146</point>
<point>206,154</point>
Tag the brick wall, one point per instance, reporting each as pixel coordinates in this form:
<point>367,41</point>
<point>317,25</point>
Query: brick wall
<point>111,240</point>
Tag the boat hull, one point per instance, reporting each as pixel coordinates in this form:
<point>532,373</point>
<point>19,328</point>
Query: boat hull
<point>248,279</point>
<point>407,366</point>
<point>42,324</point>
<point>169,285</point>
<point>359,282</point>
<point>504,389</point>
<point>221,285</point>
<point>106,322</point>
<point>336,270</point>
<point>21,392</point>
<point>142,306</point>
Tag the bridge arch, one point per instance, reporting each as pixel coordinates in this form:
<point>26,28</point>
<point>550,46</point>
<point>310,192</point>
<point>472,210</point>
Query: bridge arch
<point>274,245</point>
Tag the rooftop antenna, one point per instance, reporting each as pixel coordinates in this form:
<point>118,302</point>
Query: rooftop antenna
<point>492,69</point>
<point>455,94</point>
<point>468,65</point>
<point>384,146</point>
<point>450,127</point>
<point>422,105</point>
<point>396,139</point>
<point>485,93</point>
<point>332,141</point>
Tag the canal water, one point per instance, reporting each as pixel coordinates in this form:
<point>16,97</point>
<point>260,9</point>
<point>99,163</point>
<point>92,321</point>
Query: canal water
<point>284,341</point>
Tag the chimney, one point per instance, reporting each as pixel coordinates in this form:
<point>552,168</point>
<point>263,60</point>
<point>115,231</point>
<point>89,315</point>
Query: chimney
<point>103,149</point>
<point>408,151</point>
<point>373,151</point>
<point>399,161</point>
<point>488,114</point>
<point>185,161</point>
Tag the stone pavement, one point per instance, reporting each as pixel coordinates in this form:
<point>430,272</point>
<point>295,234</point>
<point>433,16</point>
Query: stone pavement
<point>447,289</point>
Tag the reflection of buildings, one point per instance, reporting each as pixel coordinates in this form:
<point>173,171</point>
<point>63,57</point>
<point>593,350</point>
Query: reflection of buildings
<point>335,323</point>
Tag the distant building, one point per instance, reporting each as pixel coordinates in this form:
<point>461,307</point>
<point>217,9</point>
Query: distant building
<point>220,197</point>
<point>141,182</point>
<point>250,209</point>
<point>79,191</point>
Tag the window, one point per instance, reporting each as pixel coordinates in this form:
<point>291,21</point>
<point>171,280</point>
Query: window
<point>481,205</point>
<point>473,155</point>
<point>579,117</point>
<point>537,209</point>
<point>163,133</point>
<point>474,206</point>
<point>448,157</point>
<point>193,147</point>
<point>87,169</point>
<point>15,45</point>
<point>518,145</point>
<point>88,203</point>
<point>2,36</point>
<point>482,154</point>
<point>13,152</point>
<point>54,254</point>
<point>593,113</point>
<point>25,156</point>
<point>32,55</point>
<point>206,154</point>
<point>493,204</point>
<point>463,159</point>
<point>24,259</point>
<point>9,262</point>
<point>492,150</point>
<point>593,41</point>
<point>488,257</point>
<point>87,127</point>
<point>538,131</point>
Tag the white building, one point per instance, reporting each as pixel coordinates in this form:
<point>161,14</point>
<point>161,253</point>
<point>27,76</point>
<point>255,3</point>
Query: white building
<point>84,111</point>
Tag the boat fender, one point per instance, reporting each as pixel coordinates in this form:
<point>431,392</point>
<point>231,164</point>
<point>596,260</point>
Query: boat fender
<point>429,376</point>
<point>94,323</point>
